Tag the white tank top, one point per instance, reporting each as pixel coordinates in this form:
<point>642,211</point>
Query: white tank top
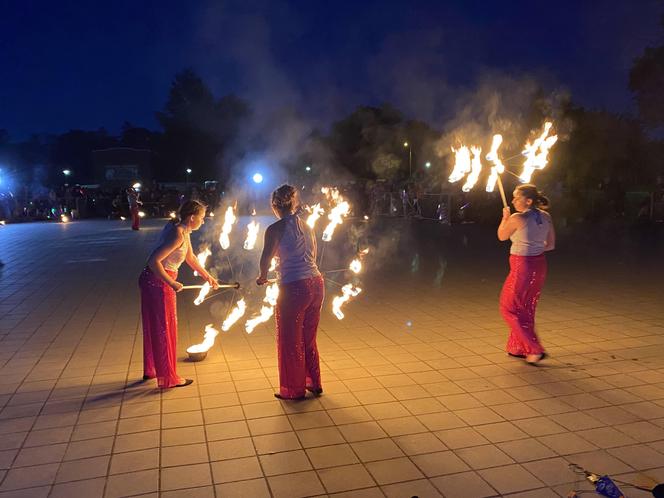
<point>297,258</point>
<point>173,261</point>
<point>530,240</point>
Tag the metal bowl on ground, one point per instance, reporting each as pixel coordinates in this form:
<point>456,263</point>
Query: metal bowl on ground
<point>197,356</point>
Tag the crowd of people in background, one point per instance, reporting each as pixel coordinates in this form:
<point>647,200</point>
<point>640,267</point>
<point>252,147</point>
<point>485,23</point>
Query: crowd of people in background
<point>410,199</point>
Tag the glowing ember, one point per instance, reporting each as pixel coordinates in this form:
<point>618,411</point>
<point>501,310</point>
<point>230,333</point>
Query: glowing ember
<point>461,163</point>
<point>348,291</point>
<point>208,340</point>
<point>172,215</point>
<point>136,185</point>
<point>253,212</point>
<point>202,258</point>
<point>229,219</point>
<point>355,266</point>
<point>537,153</point>
<point>141,214</point>
<point>271,294</point>
<point>316,212</point>
<point>122,218</point>
<point>3,222</point>
<point>234,315</point>
<point>476,165</point>
<point>252,234</point>
<point>205,290</point>
<point>336,218</point>
<point>273,264</point>
<point>211,214</point>
<point>498,167</point>
<point>64,218</point>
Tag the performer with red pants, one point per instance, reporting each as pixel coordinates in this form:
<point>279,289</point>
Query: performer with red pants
<point>158,284</point>
<point>301,294</point>
<point>531,231</point>
<point>134,202</point>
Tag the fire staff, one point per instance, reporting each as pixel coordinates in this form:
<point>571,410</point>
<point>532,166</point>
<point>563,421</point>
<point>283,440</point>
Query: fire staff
<point>158,284</point>
<point>531,231</point>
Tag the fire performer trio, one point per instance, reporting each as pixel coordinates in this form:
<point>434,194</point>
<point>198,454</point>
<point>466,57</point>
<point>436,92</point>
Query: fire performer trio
<point>531,231</point>
<point>301,294</point>
<point>158,285</point>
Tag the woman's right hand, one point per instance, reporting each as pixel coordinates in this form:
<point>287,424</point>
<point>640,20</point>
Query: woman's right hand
<point>506,213</point>
<point>261,280</point>
<point>177,286</point>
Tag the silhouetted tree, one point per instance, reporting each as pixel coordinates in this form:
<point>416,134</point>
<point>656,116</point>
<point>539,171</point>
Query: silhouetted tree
<point>646,80</point>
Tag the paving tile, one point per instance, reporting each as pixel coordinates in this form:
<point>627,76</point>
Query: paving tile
<point>394,470</point>
<point>510,479</point>
<point>296,485</point>
<point>130,442</point>
<point>481,457</point>
<point>90,488</point>
<point>567,443</point>
<point>25,477</point>
<point>420,487</point>
<point>284,463</point>
<point>185,476</point>
<point>231,448</point>
<point>345,478</point>
<point>466,484</point>
<point>377,449</point>
<point>237,469</point>
<point>320,437</point>
<point>37,455</point>
<point>462,437</point>
<point>133,461</point>
<point>253,488</point>
<point>331,456</point>
<point>439,463</point>
<point>133,483</point>
<point>200,492</point>
<point>525,450</point>
<point>415,444</point>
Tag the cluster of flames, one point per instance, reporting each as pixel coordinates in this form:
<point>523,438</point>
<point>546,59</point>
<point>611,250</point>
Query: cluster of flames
<point>468,161</point>
<point>338,209</point>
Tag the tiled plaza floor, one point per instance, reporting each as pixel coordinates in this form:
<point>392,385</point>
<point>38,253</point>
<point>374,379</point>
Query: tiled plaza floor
<point>420,398</point>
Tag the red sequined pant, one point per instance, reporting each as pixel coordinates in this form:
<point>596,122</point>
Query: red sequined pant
<point>297,314</point>
<point>160,328</point>
<point>518,302</point>
<point>135,218</point>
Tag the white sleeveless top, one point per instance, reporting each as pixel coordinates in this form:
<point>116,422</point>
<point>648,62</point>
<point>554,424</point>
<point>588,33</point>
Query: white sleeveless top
<point>530,240</point>
<point>173,261</point>
<point>297,259</point>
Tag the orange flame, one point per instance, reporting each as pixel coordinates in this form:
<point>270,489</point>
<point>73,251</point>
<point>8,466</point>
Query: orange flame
<point>537,152</point>
<point>252,235</point>
<point>348,291</point>
<point>208,340</point>
<point>229,219</point>
<point>234,315</point>
<point>498,167</point>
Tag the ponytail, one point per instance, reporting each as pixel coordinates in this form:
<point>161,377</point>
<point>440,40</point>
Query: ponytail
<point>529,191</point>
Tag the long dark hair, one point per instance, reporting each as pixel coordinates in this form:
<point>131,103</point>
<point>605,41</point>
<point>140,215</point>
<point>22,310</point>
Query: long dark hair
<point>529,191</point>
<point>187,209</point>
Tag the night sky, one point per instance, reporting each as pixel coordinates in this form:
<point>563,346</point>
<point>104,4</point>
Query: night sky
<point>91,64</point>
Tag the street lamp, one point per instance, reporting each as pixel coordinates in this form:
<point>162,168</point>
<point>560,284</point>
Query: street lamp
<point>427,165</point>
<point>188,171</point>
<point>257,178</point>
<point>308,168</point>
<point>67,173</point>
<point>410,158</point>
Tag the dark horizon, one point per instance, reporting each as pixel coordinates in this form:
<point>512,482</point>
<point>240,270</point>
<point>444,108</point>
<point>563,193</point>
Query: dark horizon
<point>86,66</point>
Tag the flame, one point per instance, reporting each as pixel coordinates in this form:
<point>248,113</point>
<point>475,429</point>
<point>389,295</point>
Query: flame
<point>461,163</point>
<point>273,264</point>
<point>332,194</point>
<point>348,291</point>
<point>234,315</point>
<point>141,214</point>
<point>208,340</point>
<point>252,234</point>
<point>498,167</point>
<point>122,218</point>
<point>202,258</point>
<point>229,219</point>
<point>205,290</point>
<point>355,266</point>
<point>253,212</point>
<point>537,152</point>
<point>64,218</point>
<point>172,215</point>
<point>316,212</point>
<point>271,295</point>
<point>3,222</point>
<point>336,218</point>
<point>211,214</point>
<point>476,164</point>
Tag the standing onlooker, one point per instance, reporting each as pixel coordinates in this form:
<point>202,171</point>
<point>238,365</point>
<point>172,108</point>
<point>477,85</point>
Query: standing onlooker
<point>531,231</point>
<point>134,202</point>
<point>158,284</point>
<point>301,294</point>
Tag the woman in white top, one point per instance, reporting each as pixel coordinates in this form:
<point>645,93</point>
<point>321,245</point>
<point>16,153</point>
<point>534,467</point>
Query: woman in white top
<point>158,284</point>
<point>531,231</point>
<point>301,294</point>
